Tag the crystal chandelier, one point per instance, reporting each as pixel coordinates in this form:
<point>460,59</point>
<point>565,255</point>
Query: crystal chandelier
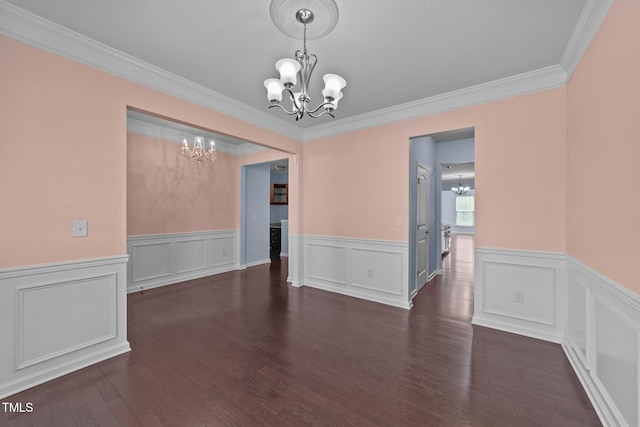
<point>460,190</point>
<point>291,70</point>
<point>198,153</point>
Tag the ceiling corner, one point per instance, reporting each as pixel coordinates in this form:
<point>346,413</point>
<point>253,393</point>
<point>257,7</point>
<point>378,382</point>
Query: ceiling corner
<point>589,21</point>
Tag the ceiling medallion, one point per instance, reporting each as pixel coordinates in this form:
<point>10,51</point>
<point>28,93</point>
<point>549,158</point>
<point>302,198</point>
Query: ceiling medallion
<point>301,67</point>
<point>325,19</point>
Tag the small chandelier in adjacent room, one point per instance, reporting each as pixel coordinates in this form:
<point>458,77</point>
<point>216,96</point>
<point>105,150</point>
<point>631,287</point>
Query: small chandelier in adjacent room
<point>301,66</point>
<point>198,153</point>
<point>460,190</point>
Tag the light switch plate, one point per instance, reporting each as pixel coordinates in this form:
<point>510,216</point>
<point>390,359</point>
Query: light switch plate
<point>79,228</point>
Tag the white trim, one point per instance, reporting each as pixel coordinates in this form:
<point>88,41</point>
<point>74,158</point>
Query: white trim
<point>623,306</point>
<point>521,84</point>
<point>590,19</point>
<point>27,27</point>
<point>356,240</point>
<point>153,130</point>
<point>296,260</point>
<point>28,270</point>
<point>41,377</point>
<point>27,358</point>
<point>22,315</point>
<point>256,263</point>
<point>155,258</point>
<point>374,270</point>
<point>541,274</point>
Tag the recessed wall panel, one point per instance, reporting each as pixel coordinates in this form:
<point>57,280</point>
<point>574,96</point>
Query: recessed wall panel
<point>222,251</point>
<point>60,318</point>
<point>616,360</point>
<point>536,284</point>
<point>191,255</point>
<point>376,270</point>
<point>327,263</point>
<point>150,261</point>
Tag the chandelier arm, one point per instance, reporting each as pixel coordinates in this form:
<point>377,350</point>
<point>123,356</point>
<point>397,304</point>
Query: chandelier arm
<point>315,116</point>
<point>324,104</point>
<point>291,113</point>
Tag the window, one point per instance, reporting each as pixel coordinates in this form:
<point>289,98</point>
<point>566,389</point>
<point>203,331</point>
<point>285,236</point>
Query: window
<point>464,211</point>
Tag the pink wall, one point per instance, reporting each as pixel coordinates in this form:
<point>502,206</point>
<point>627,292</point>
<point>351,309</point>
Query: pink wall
<point>603,206</point>
<point>356,184</point>
<point>168,194</point>
<point>63,144</point>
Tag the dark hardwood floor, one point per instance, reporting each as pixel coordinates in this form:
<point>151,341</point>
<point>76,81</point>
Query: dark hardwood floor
<point>244,348</point>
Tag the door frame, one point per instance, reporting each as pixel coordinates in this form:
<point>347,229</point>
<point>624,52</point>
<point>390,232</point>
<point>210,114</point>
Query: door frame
<point>419,166</point>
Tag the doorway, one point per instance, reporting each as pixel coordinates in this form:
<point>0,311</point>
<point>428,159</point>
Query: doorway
<point>182,213</point>
<point>426,239</point>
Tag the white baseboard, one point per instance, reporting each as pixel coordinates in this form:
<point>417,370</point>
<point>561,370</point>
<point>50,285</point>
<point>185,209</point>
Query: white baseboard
<point>49,331</point>
<point>602,342</point>
<point>259,262</point>
<point>538,276</point>
<point>165,259</point>
<point>69,366</point>
<point>368,269</point>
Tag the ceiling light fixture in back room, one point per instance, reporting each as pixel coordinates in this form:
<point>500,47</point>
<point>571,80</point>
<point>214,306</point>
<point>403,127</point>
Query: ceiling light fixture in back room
<point>300,69</point>
<point>198,153</point>
<point>460,190</point>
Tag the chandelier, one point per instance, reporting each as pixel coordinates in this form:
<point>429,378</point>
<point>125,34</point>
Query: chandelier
<point>460,190</point>
<point>300,68</point>
<point>197,152</point>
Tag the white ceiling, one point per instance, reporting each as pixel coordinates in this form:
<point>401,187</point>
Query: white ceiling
<point>390,53</point>
<point>454,172</point>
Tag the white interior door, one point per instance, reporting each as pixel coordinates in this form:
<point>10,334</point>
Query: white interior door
<point>422,229</point>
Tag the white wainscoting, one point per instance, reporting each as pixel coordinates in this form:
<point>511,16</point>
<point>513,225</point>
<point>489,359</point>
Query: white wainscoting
<point>500,274</point>
<point>368,269</point>
<point>164,259</point>
<point>602,342</point>
<point>58,318</point>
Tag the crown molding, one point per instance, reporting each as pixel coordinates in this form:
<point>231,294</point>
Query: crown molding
<point>32,29</point>
<point>592,15</point>
<point>24,26</point>
<point>589,21</point>
<point>173,135</point>
<point>521,84</point>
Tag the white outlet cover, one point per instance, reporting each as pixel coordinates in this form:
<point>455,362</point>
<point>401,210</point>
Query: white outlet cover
<point>80,229</point>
